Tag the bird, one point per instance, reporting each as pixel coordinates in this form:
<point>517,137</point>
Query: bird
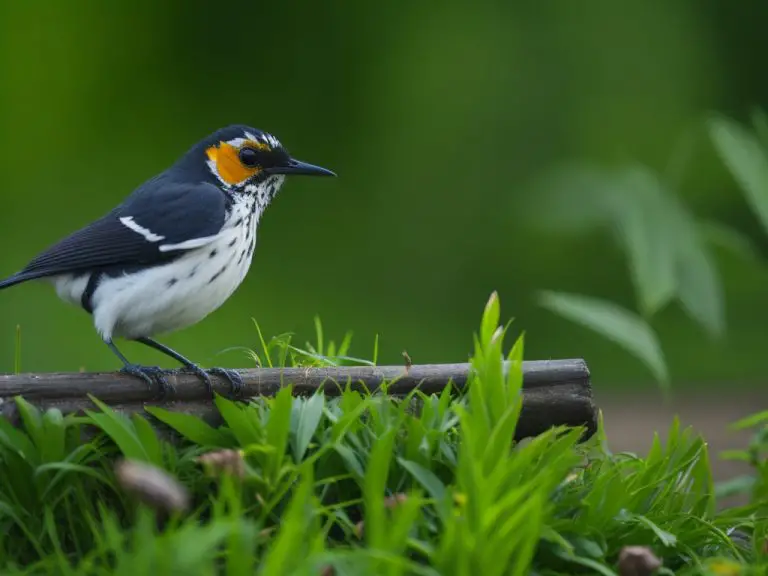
<point>175,249</point>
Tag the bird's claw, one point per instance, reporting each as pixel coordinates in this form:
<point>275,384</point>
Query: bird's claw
<point>235,381</point>
<point>202,374</point>
<point>234,378</point>
<point>151,375</point>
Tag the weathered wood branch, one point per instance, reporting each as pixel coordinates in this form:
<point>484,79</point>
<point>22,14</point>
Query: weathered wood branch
<point>555,392</point>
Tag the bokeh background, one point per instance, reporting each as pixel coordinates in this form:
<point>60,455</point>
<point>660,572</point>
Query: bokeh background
<point>437,118</point>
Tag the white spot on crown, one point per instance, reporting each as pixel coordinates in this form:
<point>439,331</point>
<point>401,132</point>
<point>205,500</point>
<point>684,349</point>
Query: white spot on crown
<point>268,139</point>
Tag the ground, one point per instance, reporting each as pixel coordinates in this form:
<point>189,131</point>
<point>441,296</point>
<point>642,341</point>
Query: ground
<point>631,419</point>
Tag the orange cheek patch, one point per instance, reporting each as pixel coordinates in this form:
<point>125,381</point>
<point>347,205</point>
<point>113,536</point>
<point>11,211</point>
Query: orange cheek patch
<point>228,165</point>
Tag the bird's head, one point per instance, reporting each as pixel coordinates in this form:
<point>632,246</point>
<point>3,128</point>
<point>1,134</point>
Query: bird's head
<point>242,159</point>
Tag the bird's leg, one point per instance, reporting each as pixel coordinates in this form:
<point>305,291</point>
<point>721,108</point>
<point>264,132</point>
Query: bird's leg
<point>235,380</point>
<point>146,373</point>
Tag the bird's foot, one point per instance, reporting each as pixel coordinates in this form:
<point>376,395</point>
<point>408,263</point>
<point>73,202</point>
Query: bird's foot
<point>151,375</point>
<point>235,381</point>
<point>234,378</point>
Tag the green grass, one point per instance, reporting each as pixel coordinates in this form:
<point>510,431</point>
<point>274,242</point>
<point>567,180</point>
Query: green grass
<point>367,485</point>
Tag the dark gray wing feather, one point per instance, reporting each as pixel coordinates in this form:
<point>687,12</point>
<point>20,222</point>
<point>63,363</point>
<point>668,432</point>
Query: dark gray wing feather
<point>177,212</point>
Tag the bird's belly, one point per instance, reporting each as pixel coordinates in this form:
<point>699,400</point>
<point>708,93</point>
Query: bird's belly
<point>70,287</point>
<point>173,296</point>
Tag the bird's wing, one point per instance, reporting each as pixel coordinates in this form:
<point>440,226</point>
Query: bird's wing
<point>155,224</point>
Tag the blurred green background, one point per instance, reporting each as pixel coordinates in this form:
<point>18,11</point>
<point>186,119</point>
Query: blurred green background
<point>436,117</point>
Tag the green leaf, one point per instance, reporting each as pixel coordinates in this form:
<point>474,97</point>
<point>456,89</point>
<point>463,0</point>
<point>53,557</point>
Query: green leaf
<point>588,563</point>
<point>613,322</point>
<point>734,486</point>
<point>552,194</point>
<point>192,427</point>
<point>746,159</point>
<point>289,548</point>
<point>148,439</point>
<point>353,407</point>
<point>401,526</point>
<point>51,529</point>
<point>760,122</point>
<point>319,334</point>
<point>588,547</point>
<point>241,420</point>
<point>278,428</point>
<point>490,319</point>
<point>751,421</point>
<point>642,223</point>
<point>666,253</point>
<point>428,480</point>
<point>307,415</point>
<point>374,489</point>
<point>118,427</point>
<point>514,535</point>
<point>700,291</point>
<point>351,460</point>
<point>33,421</point>
<point>54,436</point>
<point>65,468</point>
<point>12,513</point>
<point>17,442</point>
<point>732,240</point>
<point>200,547</point>
<point>666,538</point>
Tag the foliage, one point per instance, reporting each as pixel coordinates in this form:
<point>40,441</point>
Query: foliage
<point>363,483</point>
<point>667,247</point>
<point>756,455</point>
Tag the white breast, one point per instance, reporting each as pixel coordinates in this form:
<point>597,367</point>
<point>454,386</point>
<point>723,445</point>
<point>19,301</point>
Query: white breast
<point>175,295</point>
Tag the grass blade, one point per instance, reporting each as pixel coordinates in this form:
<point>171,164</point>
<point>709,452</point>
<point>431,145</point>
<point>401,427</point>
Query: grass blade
<point>192,427</point>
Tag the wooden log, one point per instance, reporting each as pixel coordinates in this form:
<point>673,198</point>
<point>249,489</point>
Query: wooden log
<point>555,392</point>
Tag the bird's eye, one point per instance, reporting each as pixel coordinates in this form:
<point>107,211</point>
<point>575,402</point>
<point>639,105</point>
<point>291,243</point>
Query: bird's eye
<point>249,157</point>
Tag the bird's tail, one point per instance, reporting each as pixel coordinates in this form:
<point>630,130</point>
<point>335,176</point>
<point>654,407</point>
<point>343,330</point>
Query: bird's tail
<point>17,278</point>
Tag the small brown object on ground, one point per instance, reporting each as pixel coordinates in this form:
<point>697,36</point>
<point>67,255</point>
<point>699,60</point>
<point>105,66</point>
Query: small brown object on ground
<point>225,461</point>
<point>408,361</point>
<point>638,561</point>
<point>152,486</point>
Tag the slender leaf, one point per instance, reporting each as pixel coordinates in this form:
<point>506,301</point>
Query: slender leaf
<point>119,428</point>
<point>306,417</point>
<point>726,237</point>
<point>428,480</point>
<point>149,440</point>
<point>757,419</point>
<point>241,420</point>
<point>278,428</point>
<point>642,223</point>
<point>192,427</point>
<point>745,157</point>
<point>616,323</point>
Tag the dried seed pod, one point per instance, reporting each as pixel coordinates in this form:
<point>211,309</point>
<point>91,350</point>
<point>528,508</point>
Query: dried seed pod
<point>227,461</point>
<point>638,561</point>
<point>408,361</point>
<point>151,485</point>
<point>392,501</point>
<point>358,531</point>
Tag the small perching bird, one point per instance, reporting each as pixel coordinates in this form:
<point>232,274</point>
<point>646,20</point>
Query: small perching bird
<point>176,248</point>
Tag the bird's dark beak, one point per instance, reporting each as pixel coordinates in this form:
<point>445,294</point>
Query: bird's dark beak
<point>297,167</point>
